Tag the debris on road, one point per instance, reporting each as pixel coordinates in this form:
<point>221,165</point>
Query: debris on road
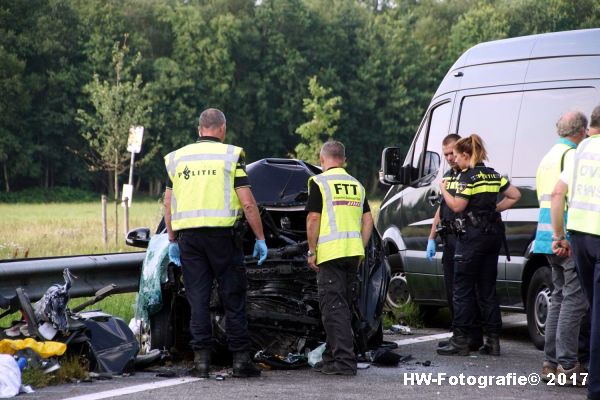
<point>401,329</point>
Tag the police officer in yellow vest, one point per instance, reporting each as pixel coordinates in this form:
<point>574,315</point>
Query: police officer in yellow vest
<point>569,305</point>
<point>581,181</point>
<point>339,225</point>
<point>207,191</point>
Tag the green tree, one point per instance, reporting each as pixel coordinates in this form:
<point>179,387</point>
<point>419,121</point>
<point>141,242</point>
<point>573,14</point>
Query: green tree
<point>14,99</point>
<point>197,72</point>
<point>117,105</point>
<point>325,115</point>
<point>528,17</point>
<point>482,23</point>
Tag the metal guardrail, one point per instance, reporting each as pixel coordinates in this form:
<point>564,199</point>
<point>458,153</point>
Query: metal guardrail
<point>35,275</point>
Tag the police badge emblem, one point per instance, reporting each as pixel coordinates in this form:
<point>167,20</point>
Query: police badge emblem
<point>461,187</point>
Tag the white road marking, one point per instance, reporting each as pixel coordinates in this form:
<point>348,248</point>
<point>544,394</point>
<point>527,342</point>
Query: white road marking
<point>506,324</point>
<point>134,389</point>
<point>421,339</point>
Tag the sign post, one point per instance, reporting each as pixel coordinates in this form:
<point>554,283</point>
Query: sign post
<point>134,145</point>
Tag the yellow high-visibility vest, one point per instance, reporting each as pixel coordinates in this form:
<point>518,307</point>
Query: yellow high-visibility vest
<point>203,195</point>
<point>547,175</point>
<point>584,188</point>
<point>341,216</point>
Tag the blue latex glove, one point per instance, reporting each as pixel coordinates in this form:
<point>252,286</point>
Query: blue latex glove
<point>260,250</point>
<point>174,254</point>
<point>430,252</point>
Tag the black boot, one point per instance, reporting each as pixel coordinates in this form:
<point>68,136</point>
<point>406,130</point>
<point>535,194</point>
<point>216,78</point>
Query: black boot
<point>201,363</point>
<point>243,367</point>
<point>475,343</point>
<point>491,345</point>
<point>458,345</point>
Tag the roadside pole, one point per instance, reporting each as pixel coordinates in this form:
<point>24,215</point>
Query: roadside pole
<point>103,200</point>
<point>134,145</point>
<point>126,214</point>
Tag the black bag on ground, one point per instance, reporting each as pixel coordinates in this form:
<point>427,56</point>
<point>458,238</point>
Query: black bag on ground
<point>385,356</point>
<point>112,346</point>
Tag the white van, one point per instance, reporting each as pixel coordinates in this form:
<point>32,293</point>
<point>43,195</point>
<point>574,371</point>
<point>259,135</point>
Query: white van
<point>511,93</point>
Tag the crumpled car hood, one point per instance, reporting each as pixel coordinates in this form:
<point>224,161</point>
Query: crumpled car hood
<point>280,181</point>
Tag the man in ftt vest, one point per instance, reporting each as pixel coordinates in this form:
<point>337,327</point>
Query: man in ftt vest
<point>569,304</point>
<point>581,180</point>
<point>339,225</point>
<point>207,191</point>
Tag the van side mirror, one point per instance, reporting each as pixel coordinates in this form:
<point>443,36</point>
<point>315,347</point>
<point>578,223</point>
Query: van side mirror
<point>138,237</point>
<point>392,171</point>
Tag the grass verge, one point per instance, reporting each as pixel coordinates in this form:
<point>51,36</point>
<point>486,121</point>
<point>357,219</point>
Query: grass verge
<point>67,229</point>
<point>407,314</point>
<point>72,369</point>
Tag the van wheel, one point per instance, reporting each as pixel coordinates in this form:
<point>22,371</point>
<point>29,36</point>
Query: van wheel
<point>397,294</point>
<point>538,303</point>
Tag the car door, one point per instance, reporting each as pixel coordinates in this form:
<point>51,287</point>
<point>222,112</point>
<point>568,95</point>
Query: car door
<point>420,202</point>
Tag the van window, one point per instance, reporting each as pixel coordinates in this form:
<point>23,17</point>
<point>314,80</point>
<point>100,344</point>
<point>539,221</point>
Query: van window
<point>433,129</point>
<point>438,130</point>
<point>536,132</point>
<point>494,118</point>
<point>413,157</point>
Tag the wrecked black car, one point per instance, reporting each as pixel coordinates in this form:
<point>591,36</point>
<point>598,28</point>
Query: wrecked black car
<point>282,302</point>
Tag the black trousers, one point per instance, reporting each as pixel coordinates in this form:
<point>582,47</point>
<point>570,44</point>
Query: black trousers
<point>475,333</point>
<point>475,274</point>
<point>337,284</point>
<point>208,254</point>
<point>448,266</point>
<point>586,252</point>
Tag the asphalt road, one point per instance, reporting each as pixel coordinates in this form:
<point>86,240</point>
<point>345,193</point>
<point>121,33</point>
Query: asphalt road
<point>516,368</point>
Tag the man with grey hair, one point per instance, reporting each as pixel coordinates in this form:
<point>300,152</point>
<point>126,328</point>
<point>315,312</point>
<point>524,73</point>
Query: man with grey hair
<point>580,181</point>
<point>207,191</point>
<point>568,306</point>
<point>571,123</point>
<point>338,225</point>
<point>211,118</point>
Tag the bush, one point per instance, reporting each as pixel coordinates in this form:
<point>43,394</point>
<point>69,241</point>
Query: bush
<point>58,194</point>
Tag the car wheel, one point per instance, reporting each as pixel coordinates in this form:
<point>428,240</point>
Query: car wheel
<point>538,303</point>
<point>160,331</point>
<point>397,294</point>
